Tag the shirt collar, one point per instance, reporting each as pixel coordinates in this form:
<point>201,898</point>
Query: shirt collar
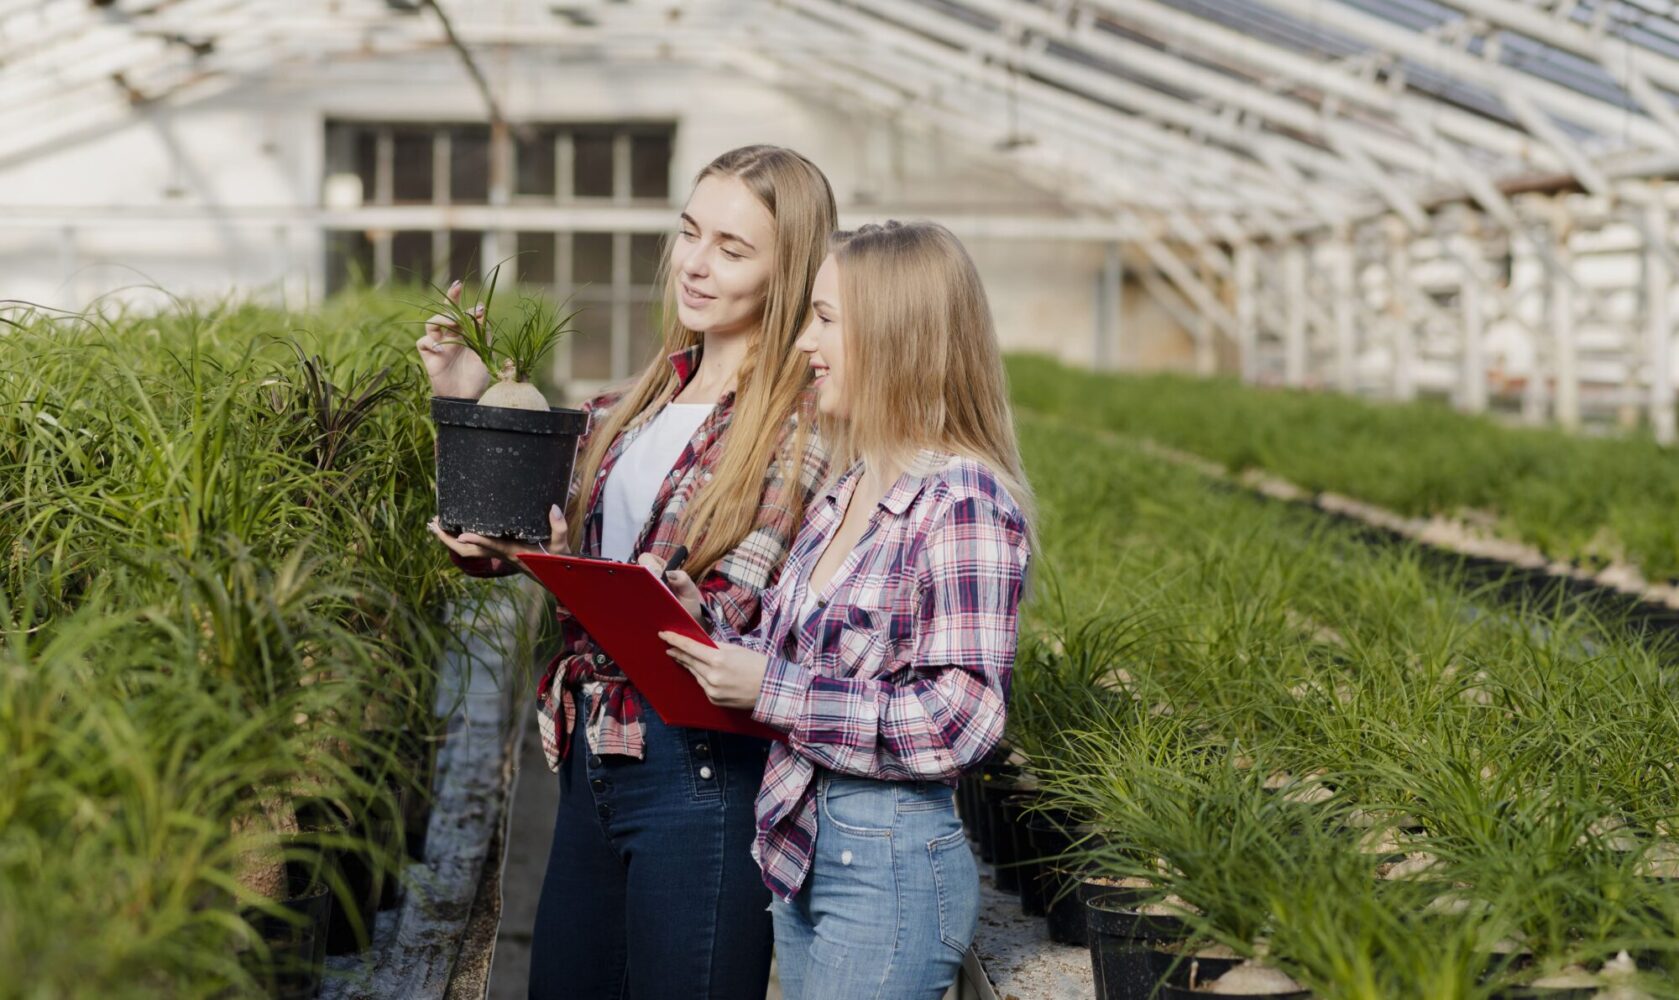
<point>902,493</point>
<point>686,362</point>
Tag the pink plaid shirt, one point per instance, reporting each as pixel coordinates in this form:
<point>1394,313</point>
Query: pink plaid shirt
<point>901,671</point>
<point>731,590</point>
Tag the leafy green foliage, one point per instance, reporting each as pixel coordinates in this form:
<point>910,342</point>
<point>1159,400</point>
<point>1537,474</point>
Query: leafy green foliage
<point>1258,710</point>
<point>1577,498</point>
<point>520,342</point>
<point>216,592</point>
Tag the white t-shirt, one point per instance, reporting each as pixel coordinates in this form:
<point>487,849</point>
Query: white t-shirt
<point>640,471</point>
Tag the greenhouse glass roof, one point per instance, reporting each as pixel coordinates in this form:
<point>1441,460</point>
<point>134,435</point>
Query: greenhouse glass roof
<point>1219,117</point>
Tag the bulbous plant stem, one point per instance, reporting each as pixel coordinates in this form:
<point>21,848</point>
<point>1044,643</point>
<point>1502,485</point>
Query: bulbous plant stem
<point>512,393</point>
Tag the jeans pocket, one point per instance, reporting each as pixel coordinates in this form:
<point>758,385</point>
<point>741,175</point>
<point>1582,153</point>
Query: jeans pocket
<point>956,883</point>
<point>859,806</point>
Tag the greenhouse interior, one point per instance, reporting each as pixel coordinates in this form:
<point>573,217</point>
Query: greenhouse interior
<point>1288,608</point>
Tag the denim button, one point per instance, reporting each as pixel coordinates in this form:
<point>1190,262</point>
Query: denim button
<point>605,811</point>
<point>702,750</point>
<point>594,760</point>
<point>705,772</point>
<point>845,857</point>
<point>598,785</point>
<point>600,659</point>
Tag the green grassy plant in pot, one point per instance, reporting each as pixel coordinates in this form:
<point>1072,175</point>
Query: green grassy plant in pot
<point>505,458</point>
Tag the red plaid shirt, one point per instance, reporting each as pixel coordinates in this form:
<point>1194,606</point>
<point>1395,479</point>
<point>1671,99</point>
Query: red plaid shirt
<point>731,589</point>
<point>901,671</point>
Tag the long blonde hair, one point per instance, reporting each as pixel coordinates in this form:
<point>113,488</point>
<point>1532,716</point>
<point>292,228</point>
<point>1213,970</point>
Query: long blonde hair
<point>772,379</point>
<point>922,365</point>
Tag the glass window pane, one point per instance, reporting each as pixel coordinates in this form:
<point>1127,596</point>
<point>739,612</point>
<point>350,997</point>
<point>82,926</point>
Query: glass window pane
<point>646,250</point>
<point>411,256</point>
<point>466,251</point>
<point>645,340</point>
<point>536,258</point>
<point>591,259</point>
<point>591,342</point>
<point>367,162</point>
<point>533,162</point>
<point>650,166</point>
<point>349,260</point>
<point>469,164</point>
<point>411,166</point>
<point>591,170</point>
<point>351,151</point>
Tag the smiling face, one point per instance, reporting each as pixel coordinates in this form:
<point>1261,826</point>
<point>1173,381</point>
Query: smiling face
<point>823,342</point>
<point>722,257</point>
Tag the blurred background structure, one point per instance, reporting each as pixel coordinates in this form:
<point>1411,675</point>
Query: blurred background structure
<point>1465,199</point>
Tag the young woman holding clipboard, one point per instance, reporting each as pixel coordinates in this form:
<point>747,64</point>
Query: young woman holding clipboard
<point>885,649</point>
<point>650,891</point>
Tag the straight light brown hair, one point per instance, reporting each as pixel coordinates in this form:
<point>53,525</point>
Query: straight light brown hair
<point>922,365</point>
<point>772,379</point>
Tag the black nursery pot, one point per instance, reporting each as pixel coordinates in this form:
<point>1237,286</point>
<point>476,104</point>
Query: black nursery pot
<point>296,946</point>
<point>500,469</point>
<point>1001,811</point>
<point>1120,941</point>
<point>1186,970</point>
<point>989,775</point>
<point>1055,888</point>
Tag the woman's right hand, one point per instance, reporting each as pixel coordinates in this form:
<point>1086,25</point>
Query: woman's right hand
<point>454,370</point>
<point>470,545</point>
<point>680,583</point>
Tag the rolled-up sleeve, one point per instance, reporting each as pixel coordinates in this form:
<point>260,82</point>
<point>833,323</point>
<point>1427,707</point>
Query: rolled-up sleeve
<point>944,710</point>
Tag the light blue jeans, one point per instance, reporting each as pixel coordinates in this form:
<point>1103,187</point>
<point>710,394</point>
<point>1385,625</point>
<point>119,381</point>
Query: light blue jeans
<point>892,899</point>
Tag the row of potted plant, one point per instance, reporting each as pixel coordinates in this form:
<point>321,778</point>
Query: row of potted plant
<point>1323,766</point>
<point>219,624</point>
<point>1590,500</point>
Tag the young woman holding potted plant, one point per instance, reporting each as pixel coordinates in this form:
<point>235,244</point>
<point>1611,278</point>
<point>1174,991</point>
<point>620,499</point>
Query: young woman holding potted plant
<point>884,651</point>
<point>650,885</point>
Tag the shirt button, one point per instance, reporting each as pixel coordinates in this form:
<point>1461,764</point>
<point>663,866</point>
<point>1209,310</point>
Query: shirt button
<point>598,785</point>
<point>705,772</point>
<point>845,857</point>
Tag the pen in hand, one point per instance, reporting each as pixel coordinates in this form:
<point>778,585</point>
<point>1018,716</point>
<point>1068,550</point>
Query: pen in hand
<point>677,558</point>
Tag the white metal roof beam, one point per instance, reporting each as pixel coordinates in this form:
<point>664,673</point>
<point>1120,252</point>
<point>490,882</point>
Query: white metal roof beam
<point>1582,109</point>
<point>1099,87</point>
<point>1066,85</point>
<point>1237,49</point>
<point>1287,112</point>
<point>1559,30</point>
<point>1081,128</point>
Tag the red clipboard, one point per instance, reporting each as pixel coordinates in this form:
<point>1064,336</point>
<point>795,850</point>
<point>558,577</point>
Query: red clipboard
<point>624,607</point>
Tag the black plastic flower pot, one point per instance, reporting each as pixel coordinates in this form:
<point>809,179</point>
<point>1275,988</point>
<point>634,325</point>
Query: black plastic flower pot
<point>1120,940</point>
<point>295,942</point>
<point>1185,968</point>
<point>965,805</point>
<point>1056,888</point>
<point>988,775</point>
<point>1003,801</point>
<point>362,843</point>
<point>500,469</point>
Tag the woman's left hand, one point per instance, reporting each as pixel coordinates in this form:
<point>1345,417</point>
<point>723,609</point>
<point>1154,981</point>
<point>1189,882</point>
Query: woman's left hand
<point>729,675</point>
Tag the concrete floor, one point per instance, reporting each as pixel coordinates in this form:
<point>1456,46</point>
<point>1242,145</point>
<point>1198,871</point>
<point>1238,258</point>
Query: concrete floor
<point>536,795</point>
